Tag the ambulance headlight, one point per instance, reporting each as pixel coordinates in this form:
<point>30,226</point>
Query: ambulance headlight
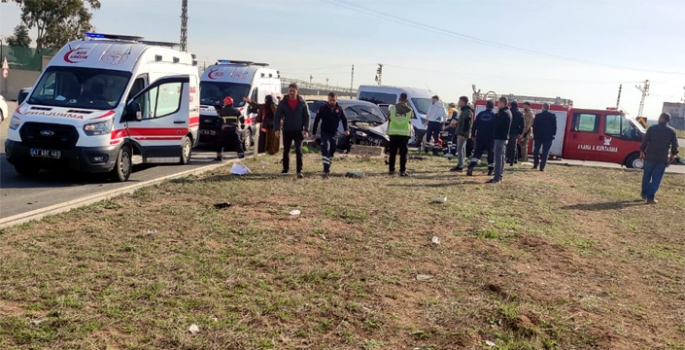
<point>96,129</point>
<point>15,122</point>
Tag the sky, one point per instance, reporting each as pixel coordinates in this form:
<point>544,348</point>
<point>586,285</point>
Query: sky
<point>576,49</point>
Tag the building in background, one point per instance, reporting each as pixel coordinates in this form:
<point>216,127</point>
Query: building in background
<point>677,112</point>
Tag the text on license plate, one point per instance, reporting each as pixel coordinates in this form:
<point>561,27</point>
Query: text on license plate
<point>444,133</point>
<point>208,132</point>
<point>44,153</point>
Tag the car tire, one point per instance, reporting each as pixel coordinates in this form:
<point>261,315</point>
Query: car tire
<point>633,161</point>
<point>186,150</point>
<point>247,140</point>
<point>27,170</point>
<point>2,116</point>
<point>123,165</point>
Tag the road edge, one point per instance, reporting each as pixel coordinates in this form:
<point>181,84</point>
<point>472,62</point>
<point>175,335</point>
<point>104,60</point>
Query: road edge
<point>87,200</point>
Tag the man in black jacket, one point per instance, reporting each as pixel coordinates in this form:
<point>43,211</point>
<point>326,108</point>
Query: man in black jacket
<point>463,131</point>
<point>516,130</point>
<point>294,114</point>
<point>502,125</point>
<point>483,134</point>
<point>330,116</point>
<point>544,131</point>
<point>230,133</point>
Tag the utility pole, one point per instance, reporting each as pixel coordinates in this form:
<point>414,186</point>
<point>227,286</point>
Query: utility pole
<point>352,79</point>
<point>645,92</point>
<point>326,83</point>
<point>618,101</point>
<point>379,73</point>
<point>310,80</point>
<point>184,25</point>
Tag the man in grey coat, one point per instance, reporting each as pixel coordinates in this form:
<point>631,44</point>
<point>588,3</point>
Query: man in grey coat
<point>656,144</point>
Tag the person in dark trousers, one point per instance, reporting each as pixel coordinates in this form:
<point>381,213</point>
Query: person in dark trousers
<point>329,116</point>
<point>502,125</point>
<point>484,138</point>
<point>268,142</point>
<point>293,113</point>
<point>436,118</point>
<point>654,149</point>
<point>463,131</point>
<point>399,131</point>
<point>544,131</point>
<point>516,130</point>
<point>231,130</point>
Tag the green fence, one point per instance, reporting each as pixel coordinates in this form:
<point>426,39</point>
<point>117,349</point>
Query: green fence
<point>25,58</point>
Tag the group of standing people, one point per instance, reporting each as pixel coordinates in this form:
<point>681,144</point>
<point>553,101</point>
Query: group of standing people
<point>496,134</point>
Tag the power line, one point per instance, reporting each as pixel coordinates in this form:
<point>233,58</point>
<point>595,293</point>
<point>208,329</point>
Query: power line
<point>427,27</point>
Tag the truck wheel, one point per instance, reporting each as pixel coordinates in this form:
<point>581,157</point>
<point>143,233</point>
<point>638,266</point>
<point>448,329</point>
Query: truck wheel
<point>633,161</point>
<point>247,140</point>
<point>27,170</point>
<point>123,165</point>
<point>186,150</point>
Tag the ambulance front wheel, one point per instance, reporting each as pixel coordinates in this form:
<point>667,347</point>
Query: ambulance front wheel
<point>186,150</point>
<point>123,165</point>
<point>247,140</point>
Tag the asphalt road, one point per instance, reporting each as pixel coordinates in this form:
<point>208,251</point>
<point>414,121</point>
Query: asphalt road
<point>19,195</point>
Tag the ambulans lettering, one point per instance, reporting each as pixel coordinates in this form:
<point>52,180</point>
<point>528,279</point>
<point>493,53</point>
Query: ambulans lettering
<point>52,114</point>
<point>76,55</point>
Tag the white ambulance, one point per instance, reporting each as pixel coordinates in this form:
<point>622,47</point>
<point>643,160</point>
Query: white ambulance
<point>103,102</point>
<point>237,79</point>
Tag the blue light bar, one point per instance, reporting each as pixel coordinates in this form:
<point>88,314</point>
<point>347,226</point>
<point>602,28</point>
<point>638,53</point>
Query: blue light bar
<point>113,37</point>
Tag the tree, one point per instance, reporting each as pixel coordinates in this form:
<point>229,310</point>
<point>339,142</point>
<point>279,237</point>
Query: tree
<point>21,36</point>
<point>57,21</point>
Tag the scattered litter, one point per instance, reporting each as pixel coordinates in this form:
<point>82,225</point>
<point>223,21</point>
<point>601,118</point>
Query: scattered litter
<point>356,174</point>
<point>295,212</point>
<point>449,156</point>
<point>323,237</point>
<point>151,232</point>
<point>417,158</point>
<point>215,320</point>
<point>490,344</point>
<point>435,240</point>
<point>239,169</point>
<point>439,200</point>
<point>491,221</point>
<point>194,329</point>
<point>423,277</point>
<point>37,321</point>
<point>223,205</point>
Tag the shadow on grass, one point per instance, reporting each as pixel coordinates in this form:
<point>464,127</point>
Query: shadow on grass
<point>604,206</point>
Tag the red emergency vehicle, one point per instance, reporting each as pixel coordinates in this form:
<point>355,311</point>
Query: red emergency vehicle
<point>591,134</point>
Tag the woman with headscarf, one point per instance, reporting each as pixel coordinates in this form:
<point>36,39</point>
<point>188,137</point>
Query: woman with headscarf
<point>267,132</point>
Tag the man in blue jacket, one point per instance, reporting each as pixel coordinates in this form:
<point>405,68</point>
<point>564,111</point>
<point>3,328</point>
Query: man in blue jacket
<point>502,126</point>
<point>294,114</point>
<point>483,134</point>
<point>544,131</point>
<point>330,116</point>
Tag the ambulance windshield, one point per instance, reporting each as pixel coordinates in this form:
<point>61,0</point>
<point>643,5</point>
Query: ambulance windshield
<point>85,88</point>
<point>213,93</point>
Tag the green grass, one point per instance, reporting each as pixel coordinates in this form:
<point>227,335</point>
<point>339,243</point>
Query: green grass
<point>564,259</point>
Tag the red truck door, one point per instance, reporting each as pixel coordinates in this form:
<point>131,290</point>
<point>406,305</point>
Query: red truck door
<point>621,140</point>
<point>583,135</point>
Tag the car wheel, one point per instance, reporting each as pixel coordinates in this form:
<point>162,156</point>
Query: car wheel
<point>186,150</point>
<point>27,170</point>
<point>2,116</point>
<point>123,165</point>
<point>633,161</point>
<point>247,140</point>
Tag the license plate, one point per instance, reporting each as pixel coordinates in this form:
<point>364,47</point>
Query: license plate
<point>208,132</point>
<point>44,153</point>
<point>444,133</point>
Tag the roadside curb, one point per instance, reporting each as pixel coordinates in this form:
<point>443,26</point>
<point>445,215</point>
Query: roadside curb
<point>87,200</point>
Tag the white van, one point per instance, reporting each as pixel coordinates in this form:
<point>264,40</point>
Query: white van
<point>237,79</point>
<point>419,100</point>
<point>103,100</point>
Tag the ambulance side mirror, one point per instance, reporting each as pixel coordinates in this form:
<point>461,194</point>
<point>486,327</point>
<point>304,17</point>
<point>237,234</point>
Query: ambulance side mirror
<point>133,112</point>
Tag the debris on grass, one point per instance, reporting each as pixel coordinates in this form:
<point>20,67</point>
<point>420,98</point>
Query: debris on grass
<point>423,277</point>
<point>222,205</point>
<point>295,212</point>
<point>435,240</point>
<point>490,343</point>
<point>194,329</point>
<point>439,200</point>
<point>239,169</point>
<point>356,174</point>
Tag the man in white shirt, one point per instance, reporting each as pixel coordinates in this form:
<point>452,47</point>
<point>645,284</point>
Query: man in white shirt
<point>436,117</point>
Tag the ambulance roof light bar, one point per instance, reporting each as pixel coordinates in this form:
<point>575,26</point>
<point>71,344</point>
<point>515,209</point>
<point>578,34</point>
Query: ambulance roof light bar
<point>95,36</point>
<point>159,43</point>
<point>244,63</point>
